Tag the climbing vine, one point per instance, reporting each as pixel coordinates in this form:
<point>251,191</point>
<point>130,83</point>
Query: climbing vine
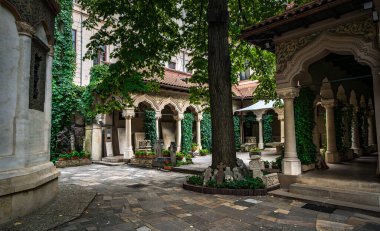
<point>187,132</point>
<point>363,127</point>
<point>206,131</point>
<point>65,94</point>
<point>249,119</point>
<point>343,117</point>
<point>150,126</point>
<point>267,125</point>
<point>237,131</point>
<point>304,124</point>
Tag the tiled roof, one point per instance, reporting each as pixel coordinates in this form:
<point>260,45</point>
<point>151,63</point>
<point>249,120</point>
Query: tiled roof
<point>177,79</point>
<point>245,88</point>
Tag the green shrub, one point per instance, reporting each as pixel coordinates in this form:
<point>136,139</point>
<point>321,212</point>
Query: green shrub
<point>150,126</point>
<point>204,152</point>
<point>267,125</point>
<point>237,132</point>
<point>195,180</point>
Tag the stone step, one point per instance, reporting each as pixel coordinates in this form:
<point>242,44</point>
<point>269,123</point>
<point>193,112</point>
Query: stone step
<point>340,183</point>
<point>113,159</point>
<point>327,202</point>
<point>342,194</point>
<point>107,163</point>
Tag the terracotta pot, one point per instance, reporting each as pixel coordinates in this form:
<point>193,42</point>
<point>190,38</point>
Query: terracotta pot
<point>168,167</point>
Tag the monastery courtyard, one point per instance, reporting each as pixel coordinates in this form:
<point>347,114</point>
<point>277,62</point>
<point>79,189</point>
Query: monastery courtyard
<point>98,197</point>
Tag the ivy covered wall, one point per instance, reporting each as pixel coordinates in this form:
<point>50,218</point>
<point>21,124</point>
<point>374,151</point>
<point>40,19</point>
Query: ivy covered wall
<point>187,132</point>
<point>304,124</point>
<point>206,131</point>
<point>150,126</point>
<point>65,95</point>
<point>237,132</point>
<point>267,127</point>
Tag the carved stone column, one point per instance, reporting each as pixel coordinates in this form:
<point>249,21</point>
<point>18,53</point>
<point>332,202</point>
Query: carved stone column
<point>371,139</point>
<point>261,140</point>
<point>198,121</point>
<point>355,146</point>
<point>158,117</point>
<point>128,114</point>
<point>291,165</point>
<point>96,139</point>
<point>332,155</point>
<point>179,119</point>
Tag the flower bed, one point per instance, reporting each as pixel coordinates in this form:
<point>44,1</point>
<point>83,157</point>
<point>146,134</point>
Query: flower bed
<point>72,163</point>
<point>225,191</point>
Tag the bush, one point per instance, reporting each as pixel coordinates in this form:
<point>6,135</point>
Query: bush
<point>206,131</point>
<point>187,132</point>
<point>195,180</point>
<point>204,152</point>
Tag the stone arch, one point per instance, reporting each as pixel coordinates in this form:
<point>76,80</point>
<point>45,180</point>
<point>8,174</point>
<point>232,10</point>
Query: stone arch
<point>146,99</point>
<point>363,52</point>
<point>194,107</point>
<point>171,103</point>
<point>11,9</point>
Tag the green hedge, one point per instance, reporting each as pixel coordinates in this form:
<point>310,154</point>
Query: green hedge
<point>237,132</point>
<point>187,132</point>
<point>304,124</point>
<point>206,131</point>
<point>363,127</point>
<point>267,127</point>
<point>150,126</point>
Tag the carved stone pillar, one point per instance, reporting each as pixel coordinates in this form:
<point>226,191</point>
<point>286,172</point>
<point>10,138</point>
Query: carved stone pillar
<point>199,138</point>
<point>355,146</point>
<point>259,118</point>
<point>332,155</point>
<point>179,119</point>
<point>371,138</point>
<point>291,165</point>
<point>158,117</point>
<point>128,114</point>
<point>376,103</point>
<point>96,139</point>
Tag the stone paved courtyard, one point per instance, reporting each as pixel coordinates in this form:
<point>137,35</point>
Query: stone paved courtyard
<point>131,198</point>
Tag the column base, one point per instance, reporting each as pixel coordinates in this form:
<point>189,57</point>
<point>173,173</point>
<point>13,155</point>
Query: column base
<point>332,157</point>
<point>261,145</point>
<point>291,166</point>
<point>128,154</point>
<point>357,151</point>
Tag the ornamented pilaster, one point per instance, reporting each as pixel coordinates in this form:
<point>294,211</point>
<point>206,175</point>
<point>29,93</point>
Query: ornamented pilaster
<point>291,165</point>
<point>128,114</point>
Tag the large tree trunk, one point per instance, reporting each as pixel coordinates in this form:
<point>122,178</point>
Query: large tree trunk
<point>219,79</point>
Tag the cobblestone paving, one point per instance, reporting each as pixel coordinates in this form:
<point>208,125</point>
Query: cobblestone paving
<point>143,199</point>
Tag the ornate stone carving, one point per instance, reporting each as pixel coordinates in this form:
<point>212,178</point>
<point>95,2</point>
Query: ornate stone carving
<point>25,28</point>
<point>288,93</point>
<point>36,11</point>
<point>364,28</point>
<point>129,113</point>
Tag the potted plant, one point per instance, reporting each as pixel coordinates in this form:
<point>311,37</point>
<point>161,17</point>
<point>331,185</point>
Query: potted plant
<point>204,152</point>
<point>151,155</point>
<point>167,165</point>
<point>179,156</point>
<point>254,151</point>
<point>194,147</point>
<point>165,153</point>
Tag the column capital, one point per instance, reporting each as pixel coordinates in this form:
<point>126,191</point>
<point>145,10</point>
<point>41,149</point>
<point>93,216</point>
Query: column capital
<point>179,117</point>
<point>25,29</point>
<point>158,115</point>
<point>288,93</point>
<point>328,103</point>
<point>280,113</point>
<point>128,113</point>
<point>199,117</point>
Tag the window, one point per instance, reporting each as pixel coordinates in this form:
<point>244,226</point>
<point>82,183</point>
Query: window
<point>172,65</point>
<point>74,39</point>
<point>102,55</point>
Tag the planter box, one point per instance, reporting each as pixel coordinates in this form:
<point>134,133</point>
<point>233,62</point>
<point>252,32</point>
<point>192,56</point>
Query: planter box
<point>168,167</point>
<point>307,167</point>
<point>71,163</point>
<point>225,191</point>
<point>141,162</point>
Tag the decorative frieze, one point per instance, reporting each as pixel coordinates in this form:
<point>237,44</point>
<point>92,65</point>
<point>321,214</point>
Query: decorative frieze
<point>364,28</point>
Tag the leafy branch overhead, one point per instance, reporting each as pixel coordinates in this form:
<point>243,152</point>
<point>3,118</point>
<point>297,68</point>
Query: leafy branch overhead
<point>146,34</point>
